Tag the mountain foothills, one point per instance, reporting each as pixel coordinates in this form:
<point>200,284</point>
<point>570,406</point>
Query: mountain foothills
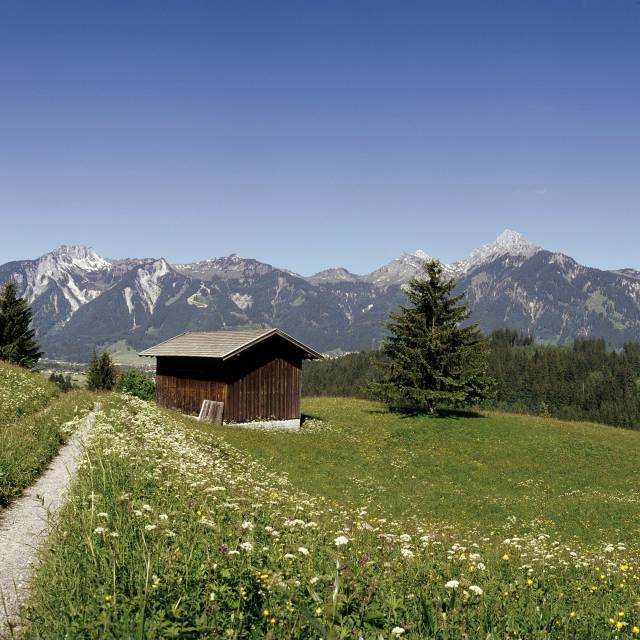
<point>81,300</point>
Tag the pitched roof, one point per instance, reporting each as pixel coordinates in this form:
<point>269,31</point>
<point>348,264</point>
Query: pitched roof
<point>220,344</point>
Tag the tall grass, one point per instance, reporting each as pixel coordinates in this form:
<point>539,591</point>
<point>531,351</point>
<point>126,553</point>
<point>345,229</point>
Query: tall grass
<point>28,444</point>
<point>22,392</point>
<point>170,532</point>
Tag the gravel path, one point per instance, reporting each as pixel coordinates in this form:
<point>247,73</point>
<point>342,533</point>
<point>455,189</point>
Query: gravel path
<point>24,525</point>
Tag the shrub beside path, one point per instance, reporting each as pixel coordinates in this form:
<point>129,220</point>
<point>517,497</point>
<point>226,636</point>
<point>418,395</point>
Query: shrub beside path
<point>24,525</point>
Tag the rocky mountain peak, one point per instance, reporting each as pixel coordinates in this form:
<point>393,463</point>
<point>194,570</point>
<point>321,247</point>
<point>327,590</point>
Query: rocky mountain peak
<point>78,257</point>
<point>508,243</point>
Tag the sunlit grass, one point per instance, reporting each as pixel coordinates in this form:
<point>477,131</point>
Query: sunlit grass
<point>171,531</point>
<point>465,469</point>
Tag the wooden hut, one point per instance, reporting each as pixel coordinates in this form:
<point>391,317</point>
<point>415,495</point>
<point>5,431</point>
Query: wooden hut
<point>256,373</point>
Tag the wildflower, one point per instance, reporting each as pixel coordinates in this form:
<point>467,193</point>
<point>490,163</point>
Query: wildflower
<point>108,598</point>
<point>341,540</point>
<point>149,527</point>
<point>397,631</point>
<point>303,550</point>
<point>405,537</point>
<point>163,516</point>
<point>474,588</point>
<point>289,556</point>
<point>103,515</point>
<point>146,507</point>
<point>265,612</point>
<point>505,557</point>
<point>635,631</point>
<point>246,546</point>
<point>247,525</point>
<point>452,584</point>
<point>99,530</point>
<point>406,553</point>
<point>572,614</point>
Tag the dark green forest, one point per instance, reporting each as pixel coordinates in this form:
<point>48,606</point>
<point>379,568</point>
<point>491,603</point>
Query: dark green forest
<point>581,382</point>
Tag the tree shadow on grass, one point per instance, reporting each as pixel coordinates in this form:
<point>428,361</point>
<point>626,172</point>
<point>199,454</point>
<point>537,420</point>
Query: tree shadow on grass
<point>440,414</point>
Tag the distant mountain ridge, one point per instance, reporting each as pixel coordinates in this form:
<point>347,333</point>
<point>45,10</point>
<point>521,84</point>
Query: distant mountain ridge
<point>83,301</point>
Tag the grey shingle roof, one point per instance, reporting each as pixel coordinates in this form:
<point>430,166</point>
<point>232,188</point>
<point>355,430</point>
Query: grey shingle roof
<point>220,344</point>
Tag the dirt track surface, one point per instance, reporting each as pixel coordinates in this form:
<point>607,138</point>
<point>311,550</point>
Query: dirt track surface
<point>25,524</point>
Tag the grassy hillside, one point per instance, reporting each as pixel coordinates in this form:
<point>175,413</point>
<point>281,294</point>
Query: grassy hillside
<point>386,528</point>
<point>35,419</point>
<point>470,471</point>
<point>22,392</point>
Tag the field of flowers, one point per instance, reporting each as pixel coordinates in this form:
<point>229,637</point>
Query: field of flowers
<point>35,419</point>
<point>22,392</point>
<point>170,531</point>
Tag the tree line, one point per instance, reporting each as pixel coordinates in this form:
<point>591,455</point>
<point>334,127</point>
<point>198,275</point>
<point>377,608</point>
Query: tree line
<point>581,382</point>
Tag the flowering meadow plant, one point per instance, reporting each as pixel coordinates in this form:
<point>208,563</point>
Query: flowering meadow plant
<point>22,392</point>
<point>172,532</point>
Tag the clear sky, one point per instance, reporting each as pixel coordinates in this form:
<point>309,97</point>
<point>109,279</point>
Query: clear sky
<point>316,133</point>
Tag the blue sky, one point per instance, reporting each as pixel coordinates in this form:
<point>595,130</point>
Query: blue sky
<point>312,134</point>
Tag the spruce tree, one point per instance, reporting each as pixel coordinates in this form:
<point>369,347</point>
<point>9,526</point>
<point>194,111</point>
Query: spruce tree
<point>432,360</point>
<point>101,374</point>
<point>17,338</point>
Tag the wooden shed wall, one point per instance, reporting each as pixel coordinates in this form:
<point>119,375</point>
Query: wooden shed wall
<point>263,382</point>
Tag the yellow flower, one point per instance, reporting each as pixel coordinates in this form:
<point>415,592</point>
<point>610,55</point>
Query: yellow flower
<point>635,631</point>
<point>505,556</point>
<point>619,625</point>
<point>621,614</point>
<point>108,598</point>
<point>529,581</point>
<point>572,614</point>
<point>265,612</point>
<point>612,621</point>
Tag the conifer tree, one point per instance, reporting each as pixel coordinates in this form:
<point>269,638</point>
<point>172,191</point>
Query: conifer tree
<point>432,360</point>
<point>101,374</point>
<point>17,338</point>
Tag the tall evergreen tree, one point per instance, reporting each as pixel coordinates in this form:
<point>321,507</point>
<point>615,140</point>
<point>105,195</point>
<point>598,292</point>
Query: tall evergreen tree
<point>101,374</point>
<point>431,359</point>
<point>17,338</point>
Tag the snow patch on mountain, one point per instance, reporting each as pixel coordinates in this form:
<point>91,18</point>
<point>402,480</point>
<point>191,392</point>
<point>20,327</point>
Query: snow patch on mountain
<point>508,243</point>
<point>242,300</point>
<point>148,282</point>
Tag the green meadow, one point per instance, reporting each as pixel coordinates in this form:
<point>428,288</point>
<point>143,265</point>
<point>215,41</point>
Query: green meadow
<point>466,469</point>
<point>35,419</point>
<point>365,524</point>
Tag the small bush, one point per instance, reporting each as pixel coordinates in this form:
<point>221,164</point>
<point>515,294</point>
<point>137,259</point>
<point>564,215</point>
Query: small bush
<point>136,383</point>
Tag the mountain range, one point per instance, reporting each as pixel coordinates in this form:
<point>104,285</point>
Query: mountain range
<point>83,301</point>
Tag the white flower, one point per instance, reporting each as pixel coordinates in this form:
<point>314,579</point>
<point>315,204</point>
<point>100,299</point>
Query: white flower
<point>246,546</point>
<point>481,566</point>
<point>397,631</point>
<point>474,588</point>
<point>99,530</point>
<point>234,553</point>
<point>452,584</point>
<point>146,507</point>
<point>114,534</point>
<point>289,556</point>
<point>314,580</point>
<point>103,515</point>
<point>137,512</point>
<point>163,516</point>
<point>406,553</point>
<point>247,525</point>
<point>149,527</point>
<point>340,540</point>
<point>303,550</point>
<point>405,537</point>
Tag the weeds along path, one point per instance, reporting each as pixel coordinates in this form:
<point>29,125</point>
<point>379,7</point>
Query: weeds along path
<point>24,525</point>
